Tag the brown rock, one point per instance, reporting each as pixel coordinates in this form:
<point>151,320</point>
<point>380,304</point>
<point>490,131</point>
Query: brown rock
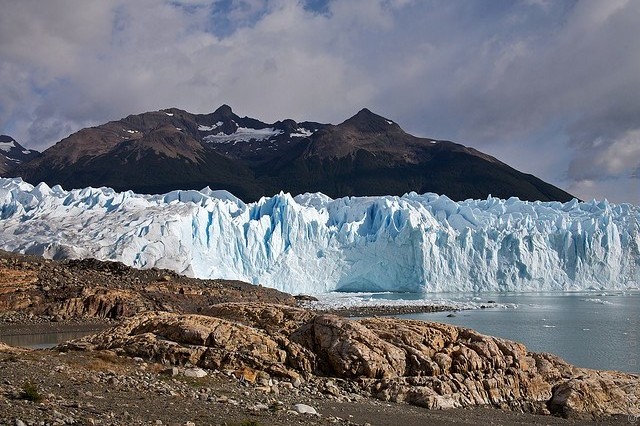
<point>91,288</point>
<point>596,393</point>
<point>428,364</point>
<point>347,348</point>
<point>247,374</point>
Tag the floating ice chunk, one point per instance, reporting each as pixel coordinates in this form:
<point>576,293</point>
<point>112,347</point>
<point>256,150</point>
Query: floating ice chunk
<point>598,301</point>
<point>336,301</point>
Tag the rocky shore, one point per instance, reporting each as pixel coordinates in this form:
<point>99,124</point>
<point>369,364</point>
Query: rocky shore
<point>102,388</point>
<point>175,350</point>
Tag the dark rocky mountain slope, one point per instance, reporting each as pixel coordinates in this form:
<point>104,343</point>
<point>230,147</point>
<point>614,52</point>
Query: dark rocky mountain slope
<point>12,154</point>
<point>160,151</point>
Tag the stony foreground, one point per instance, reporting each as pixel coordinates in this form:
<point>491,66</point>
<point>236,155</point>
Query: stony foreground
<point>176,350</point>
<point>431,365</point>
<point>101,388</point>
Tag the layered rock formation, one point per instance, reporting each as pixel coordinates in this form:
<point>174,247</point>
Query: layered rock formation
<point>423,363</point>
<point>93,289</point>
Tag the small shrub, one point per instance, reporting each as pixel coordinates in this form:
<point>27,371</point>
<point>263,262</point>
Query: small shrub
<point>107,357</point>
<point>249,423</point>
<point>30,392</point>
<point>274,408</point>
<point>11,358</point>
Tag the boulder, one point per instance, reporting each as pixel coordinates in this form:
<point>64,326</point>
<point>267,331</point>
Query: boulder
<point>304,409</point>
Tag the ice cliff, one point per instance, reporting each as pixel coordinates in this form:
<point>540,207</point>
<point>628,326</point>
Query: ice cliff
<point>313,244</point>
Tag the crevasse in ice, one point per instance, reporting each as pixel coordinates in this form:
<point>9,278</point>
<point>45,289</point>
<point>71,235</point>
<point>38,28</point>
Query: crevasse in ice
<point>313,244</point>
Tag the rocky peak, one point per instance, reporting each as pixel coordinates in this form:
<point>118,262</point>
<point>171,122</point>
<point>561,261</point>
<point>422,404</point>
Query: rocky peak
<point>366,121</point>
<point>365,131</point>
<point>287,125</point>
<point>12,154</point>
<point>224,112</point>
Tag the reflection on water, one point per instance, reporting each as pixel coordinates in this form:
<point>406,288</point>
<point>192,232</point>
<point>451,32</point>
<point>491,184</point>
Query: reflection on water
<point>42,340</point>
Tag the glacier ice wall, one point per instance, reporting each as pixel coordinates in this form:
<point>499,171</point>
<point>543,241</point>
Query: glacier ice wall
<point>313,244</point>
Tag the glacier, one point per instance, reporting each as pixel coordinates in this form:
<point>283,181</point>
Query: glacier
<point>313,244</point>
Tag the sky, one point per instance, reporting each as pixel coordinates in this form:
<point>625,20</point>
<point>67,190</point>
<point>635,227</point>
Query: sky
<point>550,87</point>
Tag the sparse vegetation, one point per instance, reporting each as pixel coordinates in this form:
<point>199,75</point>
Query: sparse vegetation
<point>273,408</point>
<point>107,356</point>
<point>30,392</point>
<point>10,358</point>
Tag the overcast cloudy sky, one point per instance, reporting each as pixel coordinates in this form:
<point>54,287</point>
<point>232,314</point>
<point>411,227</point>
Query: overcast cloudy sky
<point>551,87</point>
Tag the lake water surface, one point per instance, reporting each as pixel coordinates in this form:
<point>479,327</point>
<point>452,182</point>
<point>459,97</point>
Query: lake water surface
<point>42,340</point>
<point>590,329</point>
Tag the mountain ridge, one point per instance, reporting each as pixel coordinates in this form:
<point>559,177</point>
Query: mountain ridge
<point>12,154</point>
<point>367,154</point>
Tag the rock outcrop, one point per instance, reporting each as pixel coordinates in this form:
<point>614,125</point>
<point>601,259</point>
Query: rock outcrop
<point>90,288</point>
<point>423,363</point>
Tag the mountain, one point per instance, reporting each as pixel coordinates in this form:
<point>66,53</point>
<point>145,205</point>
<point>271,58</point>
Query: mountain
<point>312,244</point>
<point>12,154</point>
<point>160,151</point>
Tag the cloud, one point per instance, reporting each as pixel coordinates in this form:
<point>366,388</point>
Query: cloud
<point>548,87</point>
<point>614,190</point>
<point>608,158</point>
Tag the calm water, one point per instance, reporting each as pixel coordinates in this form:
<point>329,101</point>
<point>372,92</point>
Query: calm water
<point>594,330</point>
<point>42,340</point>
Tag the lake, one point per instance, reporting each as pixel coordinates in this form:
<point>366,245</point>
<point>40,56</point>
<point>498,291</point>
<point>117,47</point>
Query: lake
<point>42,340</point>
<point>588,329</point>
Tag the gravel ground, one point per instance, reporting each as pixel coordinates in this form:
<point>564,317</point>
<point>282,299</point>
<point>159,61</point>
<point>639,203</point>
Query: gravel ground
<point>46,387</point>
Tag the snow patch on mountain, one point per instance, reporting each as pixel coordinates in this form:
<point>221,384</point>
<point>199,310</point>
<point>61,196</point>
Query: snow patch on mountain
<point>7,146</point>
<point>301,132</point>
<point>243,134</point>
<point>314,244</point>
<point>203,128</point>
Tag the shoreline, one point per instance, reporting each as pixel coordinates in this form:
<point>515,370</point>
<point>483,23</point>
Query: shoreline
<point>383,310</point>
<point>248,399</point>
<point>43,326</point>
<point>274,349</point>
<point>11,326</point>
